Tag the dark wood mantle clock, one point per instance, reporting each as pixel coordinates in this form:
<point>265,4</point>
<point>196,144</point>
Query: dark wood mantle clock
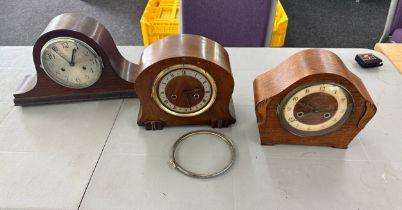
<point>76,59</point>
<point>185,80</point>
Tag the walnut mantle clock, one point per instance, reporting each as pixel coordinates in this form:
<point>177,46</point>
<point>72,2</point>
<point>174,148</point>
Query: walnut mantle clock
<point>184,80</point>
<point>76,59</point>
<point>311,98</point>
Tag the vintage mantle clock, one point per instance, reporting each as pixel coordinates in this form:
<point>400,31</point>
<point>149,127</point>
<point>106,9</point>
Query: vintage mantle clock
<point>76,59</point>
<point>185,80</point>
<point>311,98</point>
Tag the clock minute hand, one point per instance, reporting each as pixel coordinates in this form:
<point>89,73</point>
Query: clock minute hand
<point>72,62</point>
<point>61,55</point>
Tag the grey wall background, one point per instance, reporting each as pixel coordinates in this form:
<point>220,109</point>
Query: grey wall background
<point>22,21</point>
<point>312,23</point>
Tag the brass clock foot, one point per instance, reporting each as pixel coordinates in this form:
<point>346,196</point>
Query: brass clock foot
<point>154,125</point>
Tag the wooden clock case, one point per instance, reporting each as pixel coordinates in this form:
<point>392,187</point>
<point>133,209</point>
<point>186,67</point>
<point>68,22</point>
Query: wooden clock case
<point>185,49</point>
<point>116,80</point>
<point>305,67</point>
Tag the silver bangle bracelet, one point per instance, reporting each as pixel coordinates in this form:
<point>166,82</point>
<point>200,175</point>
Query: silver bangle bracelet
<point>222,137</point>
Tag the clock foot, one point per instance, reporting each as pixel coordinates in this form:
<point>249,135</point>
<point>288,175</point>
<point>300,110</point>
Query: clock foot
<point>340,146</point>
<point>154,125</point>
<point>222,123</point>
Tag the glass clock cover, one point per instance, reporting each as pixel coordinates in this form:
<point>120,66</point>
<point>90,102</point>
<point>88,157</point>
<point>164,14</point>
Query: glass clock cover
<point>71,62</point>
<point>184,90</point>
<point>316,109</point>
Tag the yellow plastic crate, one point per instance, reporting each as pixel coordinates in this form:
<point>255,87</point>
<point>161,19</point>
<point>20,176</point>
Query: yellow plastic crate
<point>280,27</point>
<point>160,19</point>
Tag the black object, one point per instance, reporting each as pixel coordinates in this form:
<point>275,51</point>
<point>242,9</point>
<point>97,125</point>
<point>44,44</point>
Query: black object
<point>368,60</point>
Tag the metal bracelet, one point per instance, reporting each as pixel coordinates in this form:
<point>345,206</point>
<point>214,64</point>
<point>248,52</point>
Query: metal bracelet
<point>177,166</point>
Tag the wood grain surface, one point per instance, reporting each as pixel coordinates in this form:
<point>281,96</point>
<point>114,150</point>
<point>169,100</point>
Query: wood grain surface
<point>393,51</point>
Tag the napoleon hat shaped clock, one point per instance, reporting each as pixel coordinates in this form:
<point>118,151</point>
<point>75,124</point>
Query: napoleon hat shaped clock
<point>76,59</point>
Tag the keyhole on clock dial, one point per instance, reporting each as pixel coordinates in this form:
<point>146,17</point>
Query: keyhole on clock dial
<point>300,114</point>
<point>184,91</point>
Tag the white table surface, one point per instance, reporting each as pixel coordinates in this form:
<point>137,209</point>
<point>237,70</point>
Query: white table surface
<point>92,155</point>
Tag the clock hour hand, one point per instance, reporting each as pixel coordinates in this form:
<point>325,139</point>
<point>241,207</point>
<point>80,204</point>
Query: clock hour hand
<point>191,91</point>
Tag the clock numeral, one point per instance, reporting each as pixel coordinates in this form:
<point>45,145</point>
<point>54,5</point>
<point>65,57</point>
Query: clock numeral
<point>335,92</point>
<point>288,109</point>
<point>207,91</point>
<point>204,100</point>
<point>172,75</point>
<point>307,91</point>
<point>291,119</point>
<point>343,100</point>
<point>174,107</point>
<point>65,45</point>
<point>322,88</point>
<point>86,53</point>
<point>184,72</point>
<point>54,48</point>
<point>165,101</point>
<point>204,82</point>
<point>92,61</point>
<point>295,98</point>
<point>50,56</point>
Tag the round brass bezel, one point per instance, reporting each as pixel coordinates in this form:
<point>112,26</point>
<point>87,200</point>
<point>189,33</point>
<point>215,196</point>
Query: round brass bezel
<point>169,69</point>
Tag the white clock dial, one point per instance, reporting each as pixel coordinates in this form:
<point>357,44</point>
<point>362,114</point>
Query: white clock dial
<point>71,62</point>
<point>184,90</point>
<point>316,109</point>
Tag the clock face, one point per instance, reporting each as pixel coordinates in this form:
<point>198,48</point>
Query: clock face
<point>316,109</point>
<point>184,90</point>
<point>71,62</point>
